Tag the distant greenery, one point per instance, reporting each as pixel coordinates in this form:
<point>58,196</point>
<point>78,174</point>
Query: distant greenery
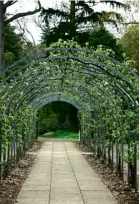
<point>99,35</point>
<point>57,116</point>
<point>61,134</point>
<point>73,20</point>
<point>13,48</point>
<point>129,44</point>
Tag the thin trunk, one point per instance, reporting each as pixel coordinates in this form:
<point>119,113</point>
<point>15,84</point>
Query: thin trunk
<point>72,20</point>
<point>1,37</point>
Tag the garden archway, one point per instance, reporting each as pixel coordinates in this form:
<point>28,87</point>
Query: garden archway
<point>104,91</point>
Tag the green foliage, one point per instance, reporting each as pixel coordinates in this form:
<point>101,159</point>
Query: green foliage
<point>107,95</point>
<point>16,127</point>
<point>72,20</point>
<point>66,124</point>
<point>57,115</point>
<point>101,36</point>
<point>13,47</point>
<point>130,45</point>
<point>62,134</point>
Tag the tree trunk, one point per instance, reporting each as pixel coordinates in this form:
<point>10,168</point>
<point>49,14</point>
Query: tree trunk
<point>72,20</point>
<point>1,37</point>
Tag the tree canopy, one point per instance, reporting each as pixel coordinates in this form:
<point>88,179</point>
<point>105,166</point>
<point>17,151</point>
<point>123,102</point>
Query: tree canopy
<point>101,36</point>
<point>5,20</point>
<point>13,47</point>
<point>130,45</point>
<point>72,21</point>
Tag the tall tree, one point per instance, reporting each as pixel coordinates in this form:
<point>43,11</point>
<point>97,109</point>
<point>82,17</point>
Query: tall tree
<point>130,45</point>
<point>13,49</point>
<point>99,35</point>
<point>75,18</point>
<point>4,21</point>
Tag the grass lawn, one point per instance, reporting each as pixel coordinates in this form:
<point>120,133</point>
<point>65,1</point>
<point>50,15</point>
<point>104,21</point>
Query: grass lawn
<point>61,135</point>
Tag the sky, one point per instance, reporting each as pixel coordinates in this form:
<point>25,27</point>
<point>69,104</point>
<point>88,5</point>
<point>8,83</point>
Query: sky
<point>26,5</point>
<point>29,5</point>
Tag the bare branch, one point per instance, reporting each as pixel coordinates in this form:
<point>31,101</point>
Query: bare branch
<point>23,30</point>
<point>38,22</point>
<point>10,3</point>
<point>19,15</point>
<point>31,36</point>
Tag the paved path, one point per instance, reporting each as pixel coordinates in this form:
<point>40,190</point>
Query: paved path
<point>61,175</point>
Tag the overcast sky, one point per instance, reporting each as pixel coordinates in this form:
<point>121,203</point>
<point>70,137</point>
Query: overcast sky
<point>26,5</point>
<point>29,5</point>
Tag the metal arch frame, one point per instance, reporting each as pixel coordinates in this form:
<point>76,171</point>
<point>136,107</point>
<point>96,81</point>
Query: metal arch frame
<point>86,73</point>
<point>56,97</point>
<point>31,87</point>
<point>29,70</point>
<point>125,92</point>
<point>82,62</point>
<point>99,64</point>
<point>50,92</point>
<point>43,102</point>
<point>38,96</point>
<point>66,91</point>
<point>98,88</point>
<point>36,55</point>
<point>25,85</point>
<point>96,84</point>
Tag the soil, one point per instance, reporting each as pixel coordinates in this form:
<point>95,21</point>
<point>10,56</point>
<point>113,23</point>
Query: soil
<point>119,188</point>
<point>11,186</point>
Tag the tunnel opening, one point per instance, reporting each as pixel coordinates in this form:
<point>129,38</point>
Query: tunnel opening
<point>58,119</point>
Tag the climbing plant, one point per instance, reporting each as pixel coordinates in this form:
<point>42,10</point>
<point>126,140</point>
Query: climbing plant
<point>103,90</point>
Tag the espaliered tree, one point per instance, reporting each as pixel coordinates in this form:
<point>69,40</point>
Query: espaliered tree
<point>73,20</point>
<point>4,5</point>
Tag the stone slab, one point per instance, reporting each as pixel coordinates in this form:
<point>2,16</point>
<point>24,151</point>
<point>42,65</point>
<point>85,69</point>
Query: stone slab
<point>98,197</point>
<point>94,185</point>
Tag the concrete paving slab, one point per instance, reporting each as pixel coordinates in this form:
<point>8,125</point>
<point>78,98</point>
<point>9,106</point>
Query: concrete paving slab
<point>40,175</point>
<point>66,189</point>
<point>85,170</point>
<point>88,185</point>
<point>62,185</point>
<point>30,201</point>
<point>85,177</point>
<point>80,165</point>
<point>98,197</point>
<point>34,195</point>
<point>37,182</point>
<point>61,166</point>
<point>37,187</point>
<point>60,161</point>
<point>65,180</point>
<point>61,175</point>
<point>39,179</point>
<point>67,198</point>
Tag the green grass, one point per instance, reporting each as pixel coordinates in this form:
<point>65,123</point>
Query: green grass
<point>61,135</point>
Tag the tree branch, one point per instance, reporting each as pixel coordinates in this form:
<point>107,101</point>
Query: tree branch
<point>38,23</point>
<point>23,30</point>
<point>9,3</point>
<point>19,15</point>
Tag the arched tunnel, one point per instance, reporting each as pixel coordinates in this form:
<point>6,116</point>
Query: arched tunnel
<point>104,91</point>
